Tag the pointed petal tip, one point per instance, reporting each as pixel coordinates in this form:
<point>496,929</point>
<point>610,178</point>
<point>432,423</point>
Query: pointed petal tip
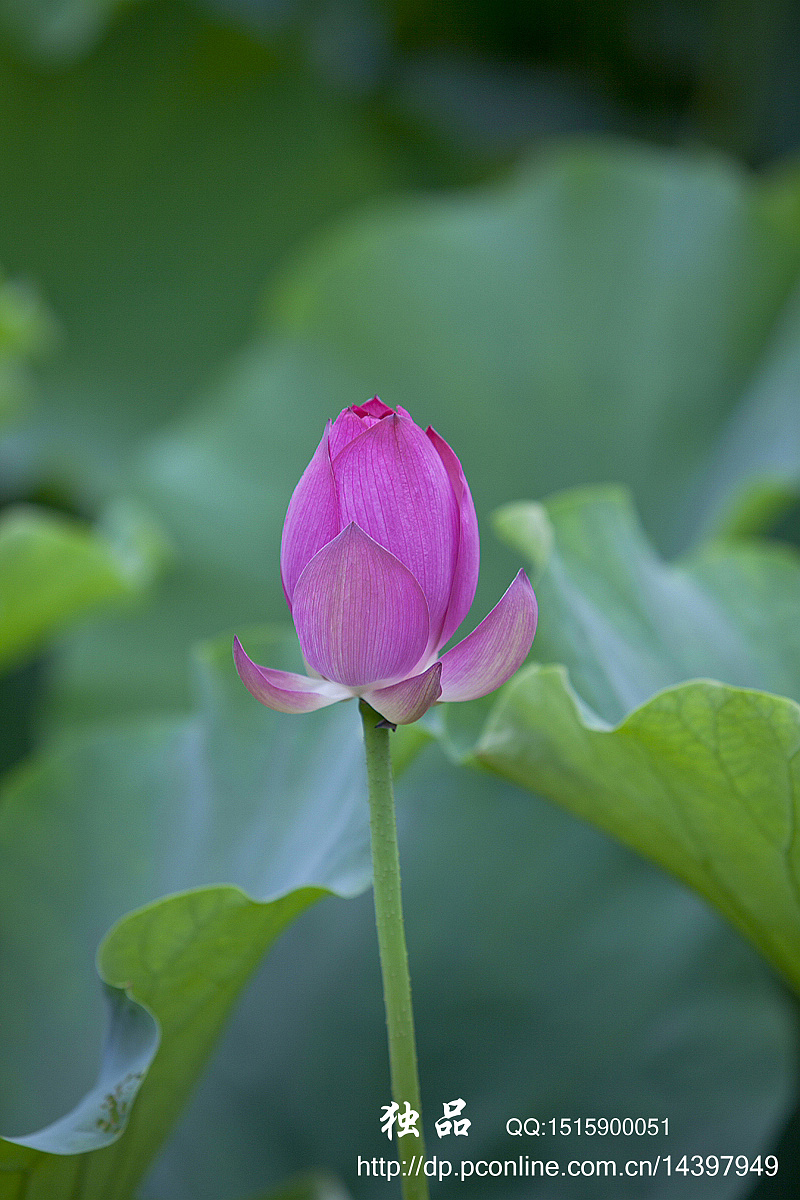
<point>522,581</point>
<point>284,691</point>
<point>490,655</point>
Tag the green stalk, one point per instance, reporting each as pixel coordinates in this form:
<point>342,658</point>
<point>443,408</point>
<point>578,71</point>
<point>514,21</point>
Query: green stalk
<point>392,945</point>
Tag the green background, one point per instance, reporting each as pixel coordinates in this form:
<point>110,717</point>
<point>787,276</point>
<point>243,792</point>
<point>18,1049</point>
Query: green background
<point>569,238</point>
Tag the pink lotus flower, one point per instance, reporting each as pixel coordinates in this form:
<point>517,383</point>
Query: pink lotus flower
<point>379,561</point>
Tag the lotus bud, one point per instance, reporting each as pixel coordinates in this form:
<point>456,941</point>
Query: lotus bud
<point>379,562</point>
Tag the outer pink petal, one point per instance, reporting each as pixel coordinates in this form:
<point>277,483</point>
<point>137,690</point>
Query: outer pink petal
<point>346,427</point>
<point>283,690</point>
<point>393,484</point>
<point>491,654</point>
<point>406,701</point>
<point>312,519</point>
<point>465,576</point>
<point>359,613</point>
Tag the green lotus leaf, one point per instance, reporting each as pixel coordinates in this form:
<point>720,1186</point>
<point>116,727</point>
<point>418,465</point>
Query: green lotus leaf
<point>699,776</point>
<point>236,793</point>
<point>599,316</point>
<point>54,569</point>
<point>754,473</point>
<point>26,331</point>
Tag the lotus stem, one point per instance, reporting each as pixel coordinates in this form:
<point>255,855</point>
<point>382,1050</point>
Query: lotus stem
<point>392,945</point>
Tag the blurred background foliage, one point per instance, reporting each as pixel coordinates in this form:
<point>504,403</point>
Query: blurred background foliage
<point>568,236</point>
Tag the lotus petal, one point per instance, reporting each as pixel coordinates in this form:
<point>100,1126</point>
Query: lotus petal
<point>468,556</point>
<point>406,701</point>
<point>345,428</point>
<point>374,408</point>
<point>284,690</point>
<point>491,654</point>
<point>312,519</point>
<point>359,613</point>
<point>393,484</point>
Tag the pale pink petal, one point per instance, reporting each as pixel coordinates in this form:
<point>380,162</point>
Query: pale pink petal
<point>393,484</point>
<point>491,654</point>
<point>359,613</point>
<point>406,701</point>
<point>465,576</point>
<point>285,691</point>
<point>312,519</point>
